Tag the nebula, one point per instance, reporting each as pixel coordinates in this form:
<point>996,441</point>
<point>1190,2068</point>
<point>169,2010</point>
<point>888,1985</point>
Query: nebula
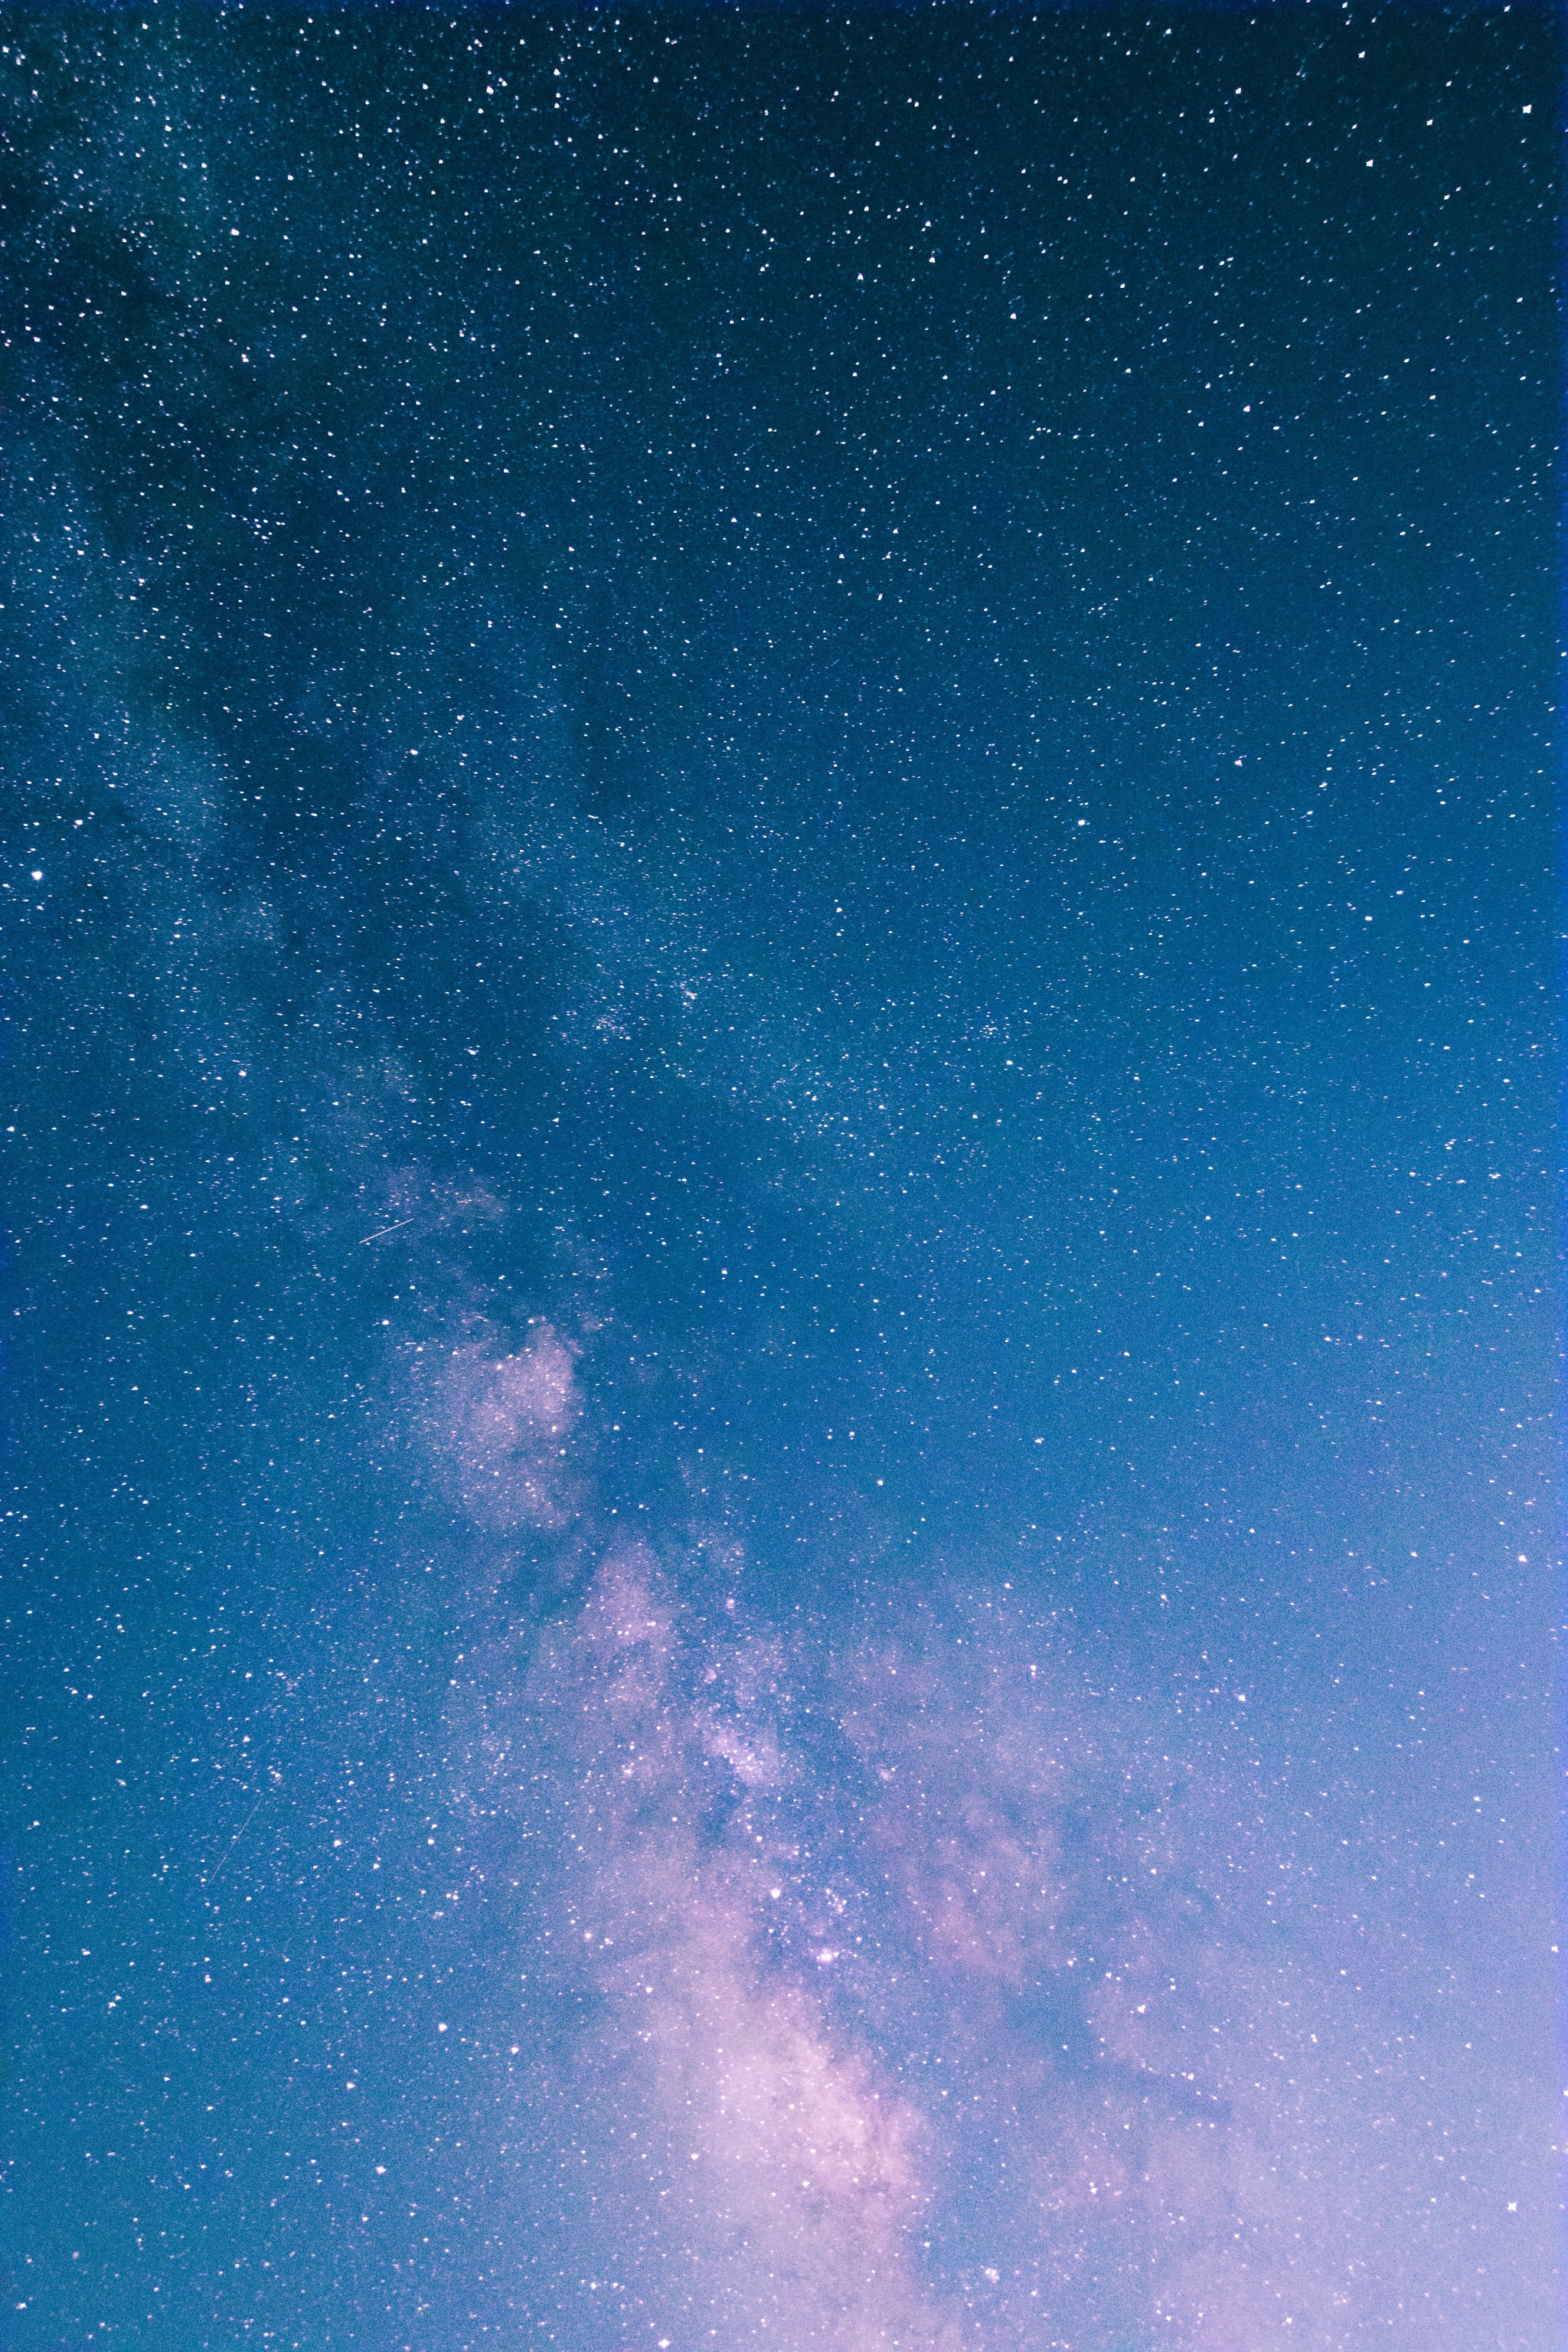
<point>929,1988</point>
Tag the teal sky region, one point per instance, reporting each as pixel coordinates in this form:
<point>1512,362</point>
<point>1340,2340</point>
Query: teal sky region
<point>778,1077</point>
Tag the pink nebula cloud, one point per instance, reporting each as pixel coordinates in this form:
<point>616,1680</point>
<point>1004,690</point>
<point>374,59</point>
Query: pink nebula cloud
<point>756,2145</point>
<point>500,1429</point>
<point>930,1991</point>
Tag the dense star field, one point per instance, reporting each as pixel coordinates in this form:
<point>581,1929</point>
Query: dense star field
<point>777,1077</point>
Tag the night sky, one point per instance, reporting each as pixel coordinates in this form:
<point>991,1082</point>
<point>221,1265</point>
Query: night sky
<point>777,1077</point>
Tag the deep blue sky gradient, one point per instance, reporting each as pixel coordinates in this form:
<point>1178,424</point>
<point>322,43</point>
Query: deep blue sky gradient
<point>858,710</point>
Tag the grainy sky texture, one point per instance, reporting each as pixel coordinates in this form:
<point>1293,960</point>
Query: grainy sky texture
<point>777,1105</point>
